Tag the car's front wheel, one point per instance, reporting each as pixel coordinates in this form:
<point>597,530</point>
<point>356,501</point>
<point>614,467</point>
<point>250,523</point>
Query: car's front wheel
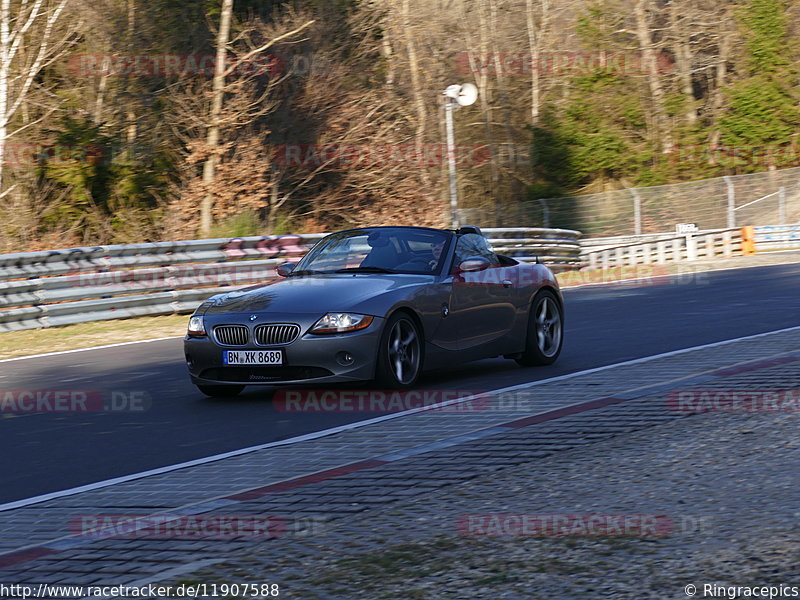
<point>221,391</point>
<point>545,331</point>
<point>400,353</point>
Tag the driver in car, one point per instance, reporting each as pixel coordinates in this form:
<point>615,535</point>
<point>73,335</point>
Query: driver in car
<point>426,262</point>
<point>436,253</point>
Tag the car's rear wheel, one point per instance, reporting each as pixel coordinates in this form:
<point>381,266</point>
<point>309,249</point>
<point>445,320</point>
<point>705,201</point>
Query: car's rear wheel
<point>545,331</point>
<point>221,391</point>
<point>400,353</point>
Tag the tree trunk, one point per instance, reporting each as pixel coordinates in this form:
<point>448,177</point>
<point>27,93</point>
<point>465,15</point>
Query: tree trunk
<point>653,77</point>
<point>720,79</point>
<point>101,92</point>
<point>131,132</point>
<point>388,55</point>
<point>5,34</point>
<point>683,61</point>
<point>15,83</point>
<point>416,83</point>
<point>533,48</point>
<point>486,108</point>
<point>506,158</point>
<point>212,136</point>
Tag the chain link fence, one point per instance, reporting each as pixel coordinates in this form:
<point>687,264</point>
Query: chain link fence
<point>768,198</point>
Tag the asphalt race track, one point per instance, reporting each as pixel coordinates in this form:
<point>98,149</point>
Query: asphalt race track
<point>41,453</point>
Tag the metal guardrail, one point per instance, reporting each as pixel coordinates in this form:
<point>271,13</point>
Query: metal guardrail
<point>558,248</point>
<point>777,237</point>
<point>78,285</point>
<point>603,243</point>
<point>126,256</point>
<point>676,247</point>
<point>659,248</point>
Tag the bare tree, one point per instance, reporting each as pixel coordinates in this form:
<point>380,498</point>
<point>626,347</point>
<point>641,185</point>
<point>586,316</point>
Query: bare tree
<point>649,58</point>
<point>217,95</point>
<point>221,120</point>
<point>30,40</point>
<point>535,35</point>
<point>249,112</point>
<point>414,71</point>
<point>681,48</point>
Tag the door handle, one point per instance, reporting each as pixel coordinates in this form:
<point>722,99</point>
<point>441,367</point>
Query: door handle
<point>507,283</point>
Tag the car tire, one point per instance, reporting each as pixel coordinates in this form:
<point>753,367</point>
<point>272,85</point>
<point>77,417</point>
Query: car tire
<point>400,354</point>
<point>221,391</point>
<point>545,331</point>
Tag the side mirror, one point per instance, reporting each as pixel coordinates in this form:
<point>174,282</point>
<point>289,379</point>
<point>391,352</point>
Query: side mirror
<point>474,263</point>
<point>286,268</point>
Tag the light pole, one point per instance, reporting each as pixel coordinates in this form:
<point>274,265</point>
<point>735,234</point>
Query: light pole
<point>455,96</point>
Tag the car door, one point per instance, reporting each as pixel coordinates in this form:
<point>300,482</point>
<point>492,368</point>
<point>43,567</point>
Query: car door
<point>483,304</point>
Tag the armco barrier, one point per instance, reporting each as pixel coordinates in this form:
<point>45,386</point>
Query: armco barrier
<point>78,285</point>
<point>557,248</point>
<point>660,249</point>
<point>604,243</point>
<point>777,237</point>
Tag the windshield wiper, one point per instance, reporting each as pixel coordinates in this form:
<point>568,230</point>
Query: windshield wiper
<point>303,272</point>
<point>364,270</point>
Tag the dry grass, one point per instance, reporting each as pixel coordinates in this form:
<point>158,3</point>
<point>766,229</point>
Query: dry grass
<point>86,335</point>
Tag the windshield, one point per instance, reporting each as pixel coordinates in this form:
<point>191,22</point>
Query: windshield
<point>378,250</point>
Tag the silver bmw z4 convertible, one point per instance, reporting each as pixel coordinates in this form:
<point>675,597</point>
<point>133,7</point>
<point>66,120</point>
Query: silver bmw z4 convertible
<point>377,303</point>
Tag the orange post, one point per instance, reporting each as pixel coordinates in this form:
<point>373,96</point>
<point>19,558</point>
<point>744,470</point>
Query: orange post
<point>748,240</point>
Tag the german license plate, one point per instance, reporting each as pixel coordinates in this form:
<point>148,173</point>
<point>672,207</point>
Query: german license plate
<point>252,357</point>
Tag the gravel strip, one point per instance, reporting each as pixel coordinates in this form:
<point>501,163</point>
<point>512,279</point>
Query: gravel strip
<point>726,482</point>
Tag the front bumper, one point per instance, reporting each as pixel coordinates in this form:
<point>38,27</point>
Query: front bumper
<point>308,359</point>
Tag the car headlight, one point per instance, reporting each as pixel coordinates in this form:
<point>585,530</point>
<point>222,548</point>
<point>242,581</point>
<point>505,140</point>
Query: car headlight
<point>341,323</point>
<point>196,327</point>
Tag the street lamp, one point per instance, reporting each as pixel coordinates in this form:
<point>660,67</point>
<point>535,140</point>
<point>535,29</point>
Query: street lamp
<point>455,96</point>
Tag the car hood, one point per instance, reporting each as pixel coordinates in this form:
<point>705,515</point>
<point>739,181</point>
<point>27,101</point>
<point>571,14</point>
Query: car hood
<point>312,294</point>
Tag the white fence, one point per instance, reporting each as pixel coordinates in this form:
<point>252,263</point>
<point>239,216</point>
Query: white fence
<point>664,248</point>
<point>777,237</point>
<point>660,248</point>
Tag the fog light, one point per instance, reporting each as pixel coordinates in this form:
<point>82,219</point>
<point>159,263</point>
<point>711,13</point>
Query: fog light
<point>345,359</point>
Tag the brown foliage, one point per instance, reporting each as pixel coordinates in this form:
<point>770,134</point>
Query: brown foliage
<point>241,183</point>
